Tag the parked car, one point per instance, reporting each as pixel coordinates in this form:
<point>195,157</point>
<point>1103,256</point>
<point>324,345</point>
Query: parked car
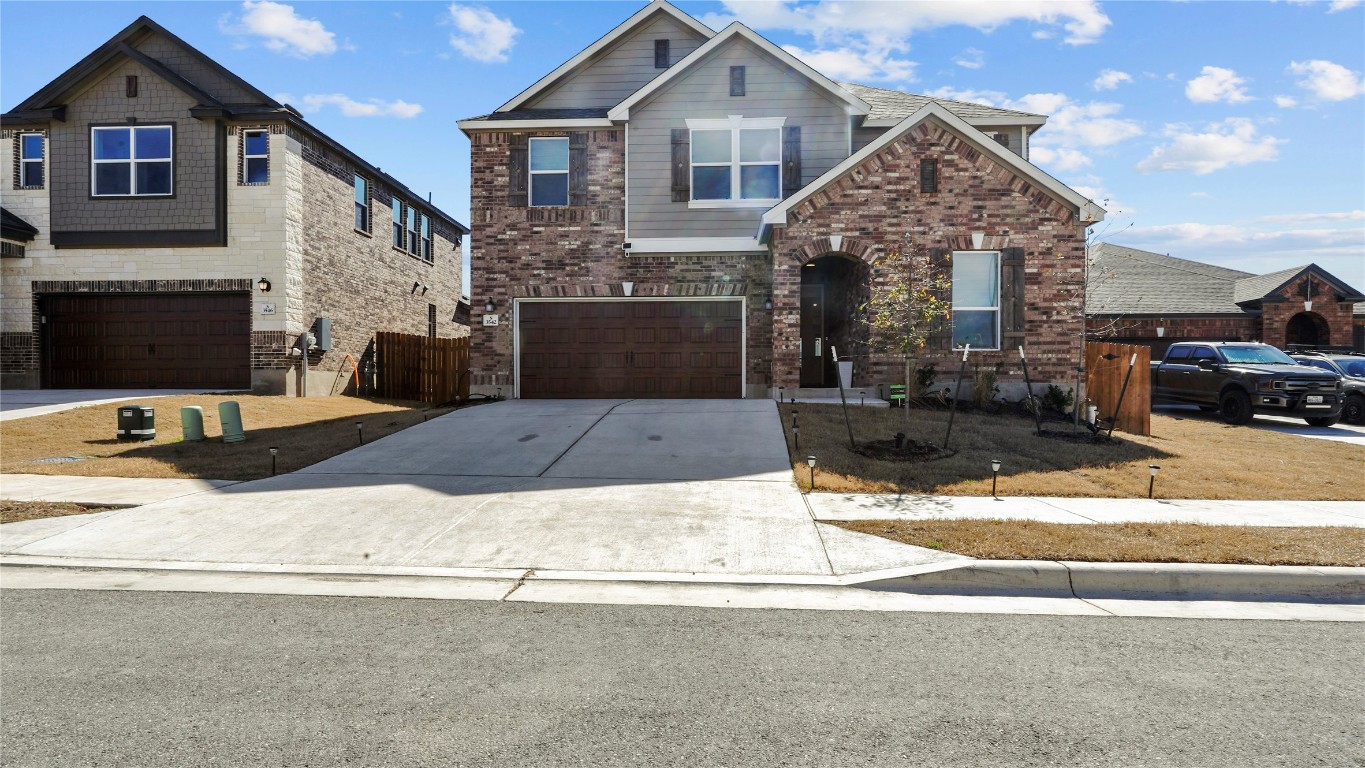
<point>1351,367</point>
<point>1242,379</point>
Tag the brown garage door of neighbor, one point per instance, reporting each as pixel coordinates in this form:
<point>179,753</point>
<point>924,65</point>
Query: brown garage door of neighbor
<point>610,349</point>
<point>179,341</point>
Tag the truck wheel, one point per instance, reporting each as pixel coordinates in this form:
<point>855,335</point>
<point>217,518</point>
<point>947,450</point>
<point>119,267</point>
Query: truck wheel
<point>1235,407</point>
<point>1353,412</point>
<point>1321,421</point>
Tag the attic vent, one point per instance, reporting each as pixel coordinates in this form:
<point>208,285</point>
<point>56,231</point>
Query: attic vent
<point>928,176</point>
<point>661,54</point>
<point>130,86</point>
<point>736,81</point>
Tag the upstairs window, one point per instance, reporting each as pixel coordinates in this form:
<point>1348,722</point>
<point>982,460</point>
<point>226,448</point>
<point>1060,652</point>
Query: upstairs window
<point>131,161</point>
<point>549,171</point>
<point>739,162</point>
<point>397,223</point>
<point>414,245</point>
<point>31,160</point>
<point>256,157</point>
<point>362,204</point>
<point>976,299</point>
<point>426,237</point>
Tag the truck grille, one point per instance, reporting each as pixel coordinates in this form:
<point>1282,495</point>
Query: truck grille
<point>1306,385</point>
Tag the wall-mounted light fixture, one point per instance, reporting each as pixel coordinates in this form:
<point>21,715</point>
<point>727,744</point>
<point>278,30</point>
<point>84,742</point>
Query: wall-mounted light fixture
<point>490,306</point>
<point>264,285</point>
<point>768,303</point>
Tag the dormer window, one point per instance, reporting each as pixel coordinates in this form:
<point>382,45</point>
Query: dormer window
<point>131,161</point>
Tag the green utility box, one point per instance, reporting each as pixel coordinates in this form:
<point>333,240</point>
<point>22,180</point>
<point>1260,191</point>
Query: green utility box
<point>136,422</point>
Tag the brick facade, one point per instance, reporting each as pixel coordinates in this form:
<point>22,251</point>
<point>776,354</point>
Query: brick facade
<point>875,206</point>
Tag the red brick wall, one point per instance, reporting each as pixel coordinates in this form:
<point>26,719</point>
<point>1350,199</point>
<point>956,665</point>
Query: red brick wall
<point>576,252</point>
<point>1275,315</point>
<point>875,205</point>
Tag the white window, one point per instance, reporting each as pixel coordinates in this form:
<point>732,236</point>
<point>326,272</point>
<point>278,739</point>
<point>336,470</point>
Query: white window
<point>256,157</point>
<point>132,160</point>
<point>426,237</point>
<point>549,171</point>
<point>414,245</point>
<point>30,160</point>
<point>736,162</point>
<point>976,299</point>
<point>397,223</point>
<point>362,203</point>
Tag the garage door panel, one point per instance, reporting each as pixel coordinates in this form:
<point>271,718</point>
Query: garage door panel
<point>148,340</point>
<point>632,348</point>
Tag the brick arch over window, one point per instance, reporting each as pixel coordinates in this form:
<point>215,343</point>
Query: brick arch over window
<point>854,248</point>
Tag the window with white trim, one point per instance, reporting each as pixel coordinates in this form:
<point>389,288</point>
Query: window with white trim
<point>31,160</point>
<point>976,299</point>
<point>362,203</point>
<point>128,161</point>
<point>736,162</point>
<point>414,244</point>
<point>426,237</point>
<point>397,223</point>
<point>549,164</point>
<point>256,156</point>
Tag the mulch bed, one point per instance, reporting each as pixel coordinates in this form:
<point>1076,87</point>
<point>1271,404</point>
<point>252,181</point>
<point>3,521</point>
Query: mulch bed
<point>910,450</point>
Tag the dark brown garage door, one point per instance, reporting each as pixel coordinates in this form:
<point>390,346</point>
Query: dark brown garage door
<point>180,341</point>
<point>614,349</point>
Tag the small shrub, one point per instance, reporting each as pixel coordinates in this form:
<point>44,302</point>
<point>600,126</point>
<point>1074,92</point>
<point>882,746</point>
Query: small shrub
<point>985,384</point>
<point>1058,399</point>
<point>924,379</point>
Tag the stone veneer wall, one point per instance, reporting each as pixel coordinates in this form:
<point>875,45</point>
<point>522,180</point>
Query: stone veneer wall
<point>873,207</point>
<point>576,252</point>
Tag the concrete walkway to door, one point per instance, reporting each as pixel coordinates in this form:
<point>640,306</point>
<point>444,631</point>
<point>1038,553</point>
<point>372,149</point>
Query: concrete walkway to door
<point>635,486</point>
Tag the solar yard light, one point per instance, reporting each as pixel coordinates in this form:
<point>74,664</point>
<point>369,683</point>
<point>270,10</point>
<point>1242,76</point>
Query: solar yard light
<point>273,451</point>
<point>360,431</point>
<point>1151,481</point>
<point>796,437</point>
<point>810,462</point>
<point>995,472</point>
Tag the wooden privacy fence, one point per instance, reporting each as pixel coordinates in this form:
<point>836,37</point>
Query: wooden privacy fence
<point>421,368</point>
<point>1106,365</point>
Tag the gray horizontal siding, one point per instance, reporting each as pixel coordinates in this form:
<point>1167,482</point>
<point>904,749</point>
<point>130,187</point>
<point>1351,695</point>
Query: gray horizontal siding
<point>623,68</point>
<point>771,90</point>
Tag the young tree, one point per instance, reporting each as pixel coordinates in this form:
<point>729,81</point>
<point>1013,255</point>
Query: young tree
<point>909,303</point>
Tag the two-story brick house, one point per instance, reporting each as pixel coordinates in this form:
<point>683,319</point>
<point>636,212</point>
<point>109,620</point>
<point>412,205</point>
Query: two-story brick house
<point>679,212</point>
<point>167,224</point>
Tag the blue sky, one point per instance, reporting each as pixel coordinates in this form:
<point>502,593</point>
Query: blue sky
<point>1226,132</point>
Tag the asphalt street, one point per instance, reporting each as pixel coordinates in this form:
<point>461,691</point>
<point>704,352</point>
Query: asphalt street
<point>169,679</point>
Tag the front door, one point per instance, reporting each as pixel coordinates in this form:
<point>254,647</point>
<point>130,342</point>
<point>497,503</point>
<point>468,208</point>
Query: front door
<point>813,352</point>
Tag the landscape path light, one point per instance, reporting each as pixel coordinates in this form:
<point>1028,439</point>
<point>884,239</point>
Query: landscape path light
<point>360,431</point>
<point>810,462</point>
<point>273,451</point>
<point>995,472</point>
<point>1151,481</point>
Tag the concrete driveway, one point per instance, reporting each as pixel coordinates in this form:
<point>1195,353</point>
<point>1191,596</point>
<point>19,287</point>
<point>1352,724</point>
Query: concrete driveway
<point>641,486</point>
<point>1341,432</point>
<point>23,403</point>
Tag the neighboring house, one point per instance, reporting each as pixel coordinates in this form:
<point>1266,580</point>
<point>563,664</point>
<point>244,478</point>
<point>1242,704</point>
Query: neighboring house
<point>679,212</point>
<point>1138,297</point>
<point>166,224</point>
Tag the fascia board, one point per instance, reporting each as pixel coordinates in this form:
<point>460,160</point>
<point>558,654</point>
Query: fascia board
<point>522,125</point>
<point>1087,210</point>
<point>621,112</point>
<point>1036,122</point>
<point>602,44</point>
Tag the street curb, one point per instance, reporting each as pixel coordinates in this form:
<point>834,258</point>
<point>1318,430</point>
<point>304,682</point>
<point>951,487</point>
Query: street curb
<point>1136,581</point>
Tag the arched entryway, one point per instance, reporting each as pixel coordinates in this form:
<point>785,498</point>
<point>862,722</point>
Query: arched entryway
<point>1307,329</point>
<point>833,287</point>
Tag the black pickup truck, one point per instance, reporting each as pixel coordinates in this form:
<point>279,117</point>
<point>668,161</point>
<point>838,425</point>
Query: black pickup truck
<point>1241,379</point>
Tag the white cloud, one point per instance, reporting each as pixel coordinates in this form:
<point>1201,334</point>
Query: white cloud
<point>886,20</point>
<point>1342,5</point>
<point>859,65</point>
<point>1222,145</point>
<point>482,35</point>
<point>1304,218</point>
<point>1285,102</point>
<point>1061,160</point>
<point>281,29</point>
<point>315,102</point>
<point>971,58</point>
<point>1217,84</point>
<point>1110,79</point>
<point>1328,81</point>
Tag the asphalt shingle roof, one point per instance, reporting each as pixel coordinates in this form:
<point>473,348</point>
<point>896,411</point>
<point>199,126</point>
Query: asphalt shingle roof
<point>1252,288</point>
<point>576,113</point>
<point>888,104</point>
<point>1129,281</point>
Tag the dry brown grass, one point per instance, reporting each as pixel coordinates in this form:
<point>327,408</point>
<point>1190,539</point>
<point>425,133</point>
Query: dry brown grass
<point>306,431</point>
<point>1200,458</point>
<point>14,511</point>
<point>1126,542</point>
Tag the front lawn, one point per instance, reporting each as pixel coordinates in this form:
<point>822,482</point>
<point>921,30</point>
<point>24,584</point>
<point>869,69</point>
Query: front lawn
<point>1199,458</point>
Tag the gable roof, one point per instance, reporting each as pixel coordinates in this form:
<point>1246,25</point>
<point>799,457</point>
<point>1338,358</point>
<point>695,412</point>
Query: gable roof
<point>606,41</point>
<point>1128,281</point>
<point>890,107</point>
<point>121,46</point>
<point>1085,209</point>
<point>621,112</point>
<point>1250,290</point>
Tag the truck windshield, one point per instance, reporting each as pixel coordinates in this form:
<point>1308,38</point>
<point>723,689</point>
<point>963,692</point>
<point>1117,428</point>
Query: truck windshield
<point>1263,355</point>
